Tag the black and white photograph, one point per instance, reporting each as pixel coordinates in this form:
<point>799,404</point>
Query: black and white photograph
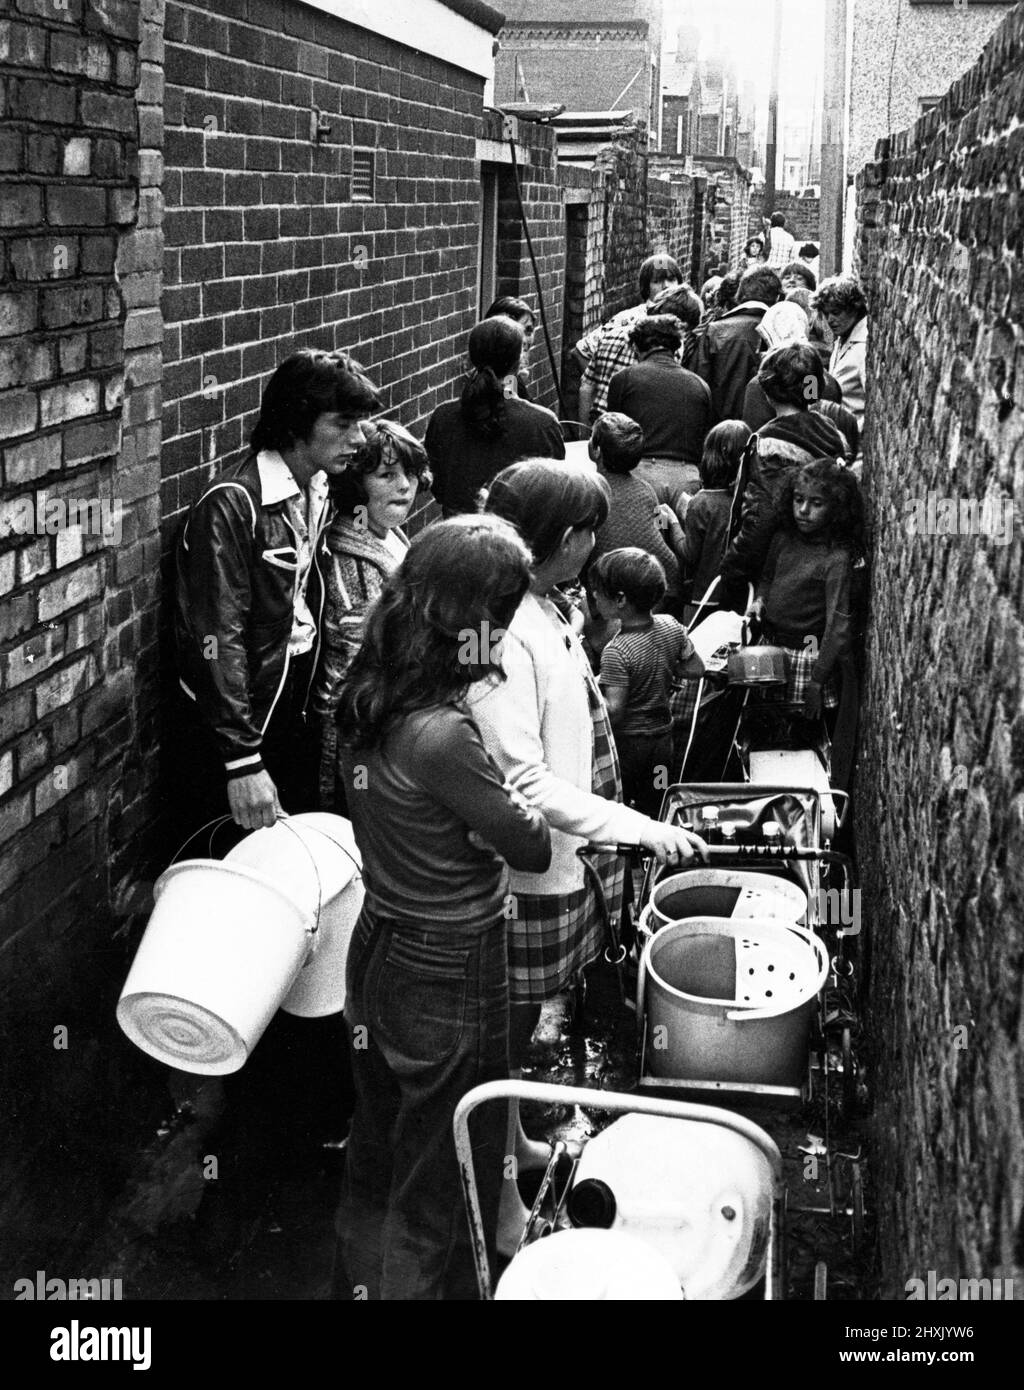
<point>511,670</point>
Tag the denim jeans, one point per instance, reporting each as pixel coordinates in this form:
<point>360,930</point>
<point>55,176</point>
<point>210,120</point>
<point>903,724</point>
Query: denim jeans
<point>428,1010</point>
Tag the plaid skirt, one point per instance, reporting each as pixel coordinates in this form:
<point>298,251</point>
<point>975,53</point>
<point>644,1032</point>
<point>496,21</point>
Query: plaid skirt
<point>799,664</point>
<point>553,937</point>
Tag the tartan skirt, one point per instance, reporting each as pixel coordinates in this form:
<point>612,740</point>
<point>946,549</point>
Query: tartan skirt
<point>799,664</point>
<point>553,937</point>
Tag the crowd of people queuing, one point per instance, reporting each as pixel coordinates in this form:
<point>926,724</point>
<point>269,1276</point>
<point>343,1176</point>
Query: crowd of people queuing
<point>486,699</point>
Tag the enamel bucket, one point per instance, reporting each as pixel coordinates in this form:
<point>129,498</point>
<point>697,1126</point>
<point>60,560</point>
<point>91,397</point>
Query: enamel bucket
<point>730,1000</point>
<point>723,893</point>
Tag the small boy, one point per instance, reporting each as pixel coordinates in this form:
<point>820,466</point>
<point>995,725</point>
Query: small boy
<point>700,543</point>
<point>638,668</point>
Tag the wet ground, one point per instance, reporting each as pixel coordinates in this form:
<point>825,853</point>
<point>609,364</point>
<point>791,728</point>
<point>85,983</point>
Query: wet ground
<point>280,1244</point>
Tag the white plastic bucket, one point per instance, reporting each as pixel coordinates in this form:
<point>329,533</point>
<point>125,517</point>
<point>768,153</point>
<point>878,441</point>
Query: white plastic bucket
<point>589,1265</point>
<point>220,952</point>
<point>698,1193</point>
<point>314,857</point>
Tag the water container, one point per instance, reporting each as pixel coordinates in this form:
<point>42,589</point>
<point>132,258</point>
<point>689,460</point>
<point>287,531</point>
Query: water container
<point>700,1194</point>
<point>731,999</point>
<point>586,1266</point>
<point>724,893</point>
<point>230,941</point>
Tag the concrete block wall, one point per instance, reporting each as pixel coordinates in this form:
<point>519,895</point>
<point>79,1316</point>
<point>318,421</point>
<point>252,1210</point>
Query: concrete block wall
<point>80,343</point>
<point>267,250</point>
<point>940,790</point>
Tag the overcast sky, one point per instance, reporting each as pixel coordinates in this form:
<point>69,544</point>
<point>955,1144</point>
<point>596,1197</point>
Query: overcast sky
<point>743,30</point>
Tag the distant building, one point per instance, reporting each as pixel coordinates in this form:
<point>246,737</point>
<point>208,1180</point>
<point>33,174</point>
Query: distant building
<point>590,55</point>
<point>719,112</point>
<point>904,57</point>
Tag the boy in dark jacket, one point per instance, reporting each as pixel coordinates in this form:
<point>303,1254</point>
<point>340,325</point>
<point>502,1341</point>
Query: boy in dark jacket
<point>727,353</point>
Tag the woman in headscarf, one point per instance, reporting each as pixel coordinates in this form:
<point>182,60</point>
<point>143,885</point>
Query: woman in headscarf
<point>784,323</point>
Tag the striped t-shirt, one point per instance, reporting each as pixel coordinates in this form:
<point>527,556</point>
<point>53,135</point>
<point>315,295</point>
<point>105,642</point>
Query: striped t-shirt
<point>646,663</point>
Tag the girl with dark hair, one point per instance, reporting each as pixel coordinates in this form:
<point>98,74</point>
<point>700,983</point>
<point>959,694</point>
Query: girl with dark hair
<point>753,254</point>
<point>547,728</point>
<point>804,595</point>
<point>427,988</point>
<point>473,438</point>
<point>366,543</point>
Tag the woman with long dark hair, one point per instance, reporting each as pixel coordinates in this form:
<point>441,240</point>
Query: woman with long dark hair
<point>427,986</point>
<point>472,439</point>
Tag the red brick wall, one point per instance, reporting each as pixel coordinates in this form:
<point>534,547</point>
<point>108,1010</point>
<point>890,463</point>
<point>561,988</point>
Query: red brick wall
<point>80,209</point>
<point>265,250</point>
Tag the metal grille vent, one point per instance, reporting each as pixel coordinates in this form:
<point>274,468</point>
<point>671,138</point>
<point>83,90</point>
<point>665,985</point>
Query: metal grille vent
<point>362,176</point>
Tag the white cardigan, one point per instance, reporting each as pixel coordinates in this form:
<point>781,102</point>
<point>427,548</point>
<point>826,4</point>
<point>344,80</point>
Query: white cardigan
<point>536,725</point>
<point>848,365</point>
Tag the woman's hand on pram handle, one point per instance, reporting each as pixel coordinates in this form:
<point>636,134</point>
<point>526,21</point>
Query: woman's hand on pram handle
<point>672,845</point>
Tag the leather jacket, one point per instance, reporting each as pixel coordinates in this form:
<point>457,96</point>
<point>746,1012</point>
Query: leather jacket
<point>237,569</point>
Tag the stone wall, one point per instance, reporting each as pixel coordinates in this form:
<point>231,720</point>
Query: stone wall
<point>940,789</point>
<point>80,331</point>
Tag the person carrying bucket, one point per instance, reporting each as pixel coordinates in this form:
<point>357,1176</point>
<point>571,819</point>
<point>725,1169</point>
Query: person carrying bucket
<point>248,596</point>
<point>248,600</point>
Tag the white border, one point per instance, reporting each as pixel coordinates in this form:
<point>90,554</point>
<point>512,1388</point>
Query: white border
<point>421,24</point>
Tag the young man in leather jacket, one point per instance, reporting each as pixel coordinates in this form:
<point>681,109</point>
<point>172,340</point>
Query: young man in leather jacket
<point>249,595</point>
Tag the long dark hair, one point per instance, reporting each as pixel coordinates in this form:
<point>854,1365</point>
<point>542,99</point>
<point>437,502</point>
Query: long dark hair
<point>433,629</point>
<point>305,386</point>
<point>845,524</point>
<point>543,498</point>
<point>495,347</point>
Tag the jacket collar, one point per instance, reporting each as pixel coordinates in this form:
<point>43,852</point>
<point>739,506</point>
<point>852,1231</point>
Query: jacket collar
<point>748,306</point>
<point>277,483</point>
<point>857,334</point>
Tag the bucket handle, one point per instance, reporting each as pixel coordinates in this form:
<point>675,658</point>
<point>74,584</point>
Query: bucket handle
<point>216,824</point>
<point>753,1015</point>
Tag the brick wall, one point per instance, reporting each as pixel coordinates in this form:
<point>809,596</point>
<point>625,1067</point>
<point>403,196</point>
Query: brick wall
<point>940,794</point>
<point>803,215</point>
<point>671,224</point>
<point>80,213</point>
<point>728,201</point>
<point>266,251</point>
